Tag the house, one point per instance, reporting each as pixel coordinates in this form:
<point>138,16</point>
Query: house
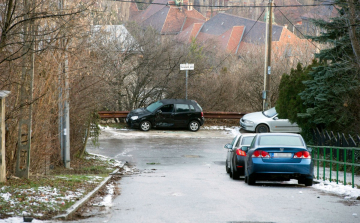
<point>169,17</point>
<point>235,34</point>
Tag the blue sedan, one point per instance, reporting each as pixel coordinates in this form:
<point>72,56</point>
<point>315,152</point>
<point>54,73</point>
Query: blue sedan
<point>278,156</point>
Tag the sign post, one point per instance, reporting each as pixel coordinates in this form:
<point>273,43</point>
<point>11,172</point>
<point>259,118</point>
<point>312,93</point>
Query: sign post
<point>187,66</point>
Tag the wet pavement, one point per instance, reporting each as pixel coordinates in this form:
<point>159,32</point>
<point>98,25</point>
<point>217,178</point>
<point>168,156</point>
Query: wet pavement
<point>179,176</point>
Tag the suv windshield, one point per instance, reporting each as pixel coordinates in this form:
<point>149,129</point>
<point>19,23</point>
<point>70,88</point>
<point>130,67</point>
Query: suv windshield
<point>154,106</point>
<point>270,113</point>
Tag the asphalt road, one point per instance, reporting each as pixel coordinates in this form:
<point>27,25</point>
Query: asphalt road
<point>182,178</point>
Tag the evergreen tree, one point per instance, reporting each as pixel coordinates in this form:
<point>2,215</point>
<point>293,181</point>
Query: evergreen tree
<point>331,96</point>
<point>327,93</point>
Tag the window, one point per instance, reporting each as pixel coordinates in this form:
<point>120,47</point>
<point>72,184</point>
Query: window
<point>276,140</point>
<point>247,140</point>
<point>167,108</point>
<point>154,106</point>
<point>232,143</point>
<point>192,108</point>
<point>182,108</point>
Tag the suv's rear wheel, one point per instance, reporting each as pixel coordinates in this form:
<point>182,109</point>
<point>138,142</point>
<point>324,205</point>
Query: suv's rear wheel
<point>194,126</point>
<point>145,125</point>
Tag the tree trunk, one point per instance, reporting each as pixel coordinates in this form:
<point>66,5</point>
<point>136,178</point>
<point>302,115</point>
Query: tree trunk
<point>352,31</point>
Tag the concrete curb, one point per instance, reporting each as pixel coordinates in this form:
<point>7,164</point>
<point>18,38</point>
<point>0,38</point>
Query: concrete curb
<point>70,211</point>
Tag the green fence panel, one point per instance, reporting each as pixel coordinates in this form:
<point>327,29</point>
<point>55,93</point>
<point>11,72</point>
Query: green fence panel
<point>344,162</point>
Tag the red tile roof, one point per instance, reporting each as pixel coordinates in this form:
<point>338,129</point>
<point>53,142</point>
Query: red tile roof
<point>190,32</point>
<point>168,18</point>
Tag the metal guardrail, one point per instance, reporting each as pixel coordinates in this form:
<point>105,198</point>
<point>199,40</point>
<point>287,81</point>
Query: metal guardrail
<point>338,156</point>
<point>214,115</point>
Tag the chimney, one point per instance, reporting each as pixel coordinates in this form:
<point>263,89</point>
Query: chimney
<point>190,5</point>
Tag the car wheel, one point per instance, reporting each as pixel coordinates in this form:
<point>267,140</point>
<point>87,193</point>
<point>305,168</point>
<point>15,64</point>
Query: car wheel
<point>262,128</point>
<point>145,126</point>
<point>194,126</point>
<point>251,180</point>
<point>235,174</point>
<point>308,182</point>
<point>226,167</point>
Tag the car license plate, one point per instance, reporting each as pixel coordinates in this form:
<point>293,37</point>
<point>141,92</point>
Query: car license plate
<point>280,155</point>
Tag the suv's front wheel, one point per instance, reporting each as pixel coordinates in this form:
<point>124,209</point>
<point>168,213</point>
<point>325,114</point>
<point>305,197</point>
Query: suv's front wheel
<point>194,126</point>
<point>145,126</point>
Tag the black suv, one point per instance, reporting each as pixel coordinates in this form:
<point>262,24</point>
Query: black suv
<point>167,113</point>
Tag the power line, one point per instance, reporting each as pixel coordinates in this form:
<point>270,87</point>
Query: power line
<point>298,29</point>
<point>242,38</point>
<point>221,6</point>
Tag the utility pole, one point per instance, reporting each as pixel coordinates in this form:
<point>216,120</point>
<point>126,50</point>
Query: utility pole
<point>64,117</point>
<point>26,94</point>
<point>266,92</point>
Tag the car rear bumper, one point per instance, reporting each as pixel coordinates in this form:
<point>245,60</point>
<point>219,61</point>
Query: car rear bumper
<point>304,169</point>
<point>240,164</point>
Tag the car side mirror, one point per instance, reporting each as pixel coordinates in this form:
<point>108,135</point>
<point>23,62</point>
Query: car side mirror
<point>159,111</point>
<point>276,118</point>
<point>228,146</point>
<point>309,149</point>
<point>245,148</point>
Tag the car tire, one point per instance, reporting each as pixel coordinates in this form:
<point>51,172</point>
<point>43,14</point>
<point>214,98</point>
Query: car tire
<point>308,182</point>
<point>261,128</point>
<point>145,126</point>
<point>194,126</point>
<point>251,180</point>
<point>234,174</point>
<point>226,167</point>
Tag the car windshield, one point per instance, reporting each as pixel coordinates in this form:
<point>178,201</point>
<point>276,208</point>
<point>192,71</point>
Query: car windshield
<point>247,140</point>
<point>270,113</point>
<point>280,140</point>
<point>154,106</point>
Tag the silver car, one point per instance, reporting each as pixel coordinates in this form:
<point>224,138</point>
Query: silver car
<point>267,121</point>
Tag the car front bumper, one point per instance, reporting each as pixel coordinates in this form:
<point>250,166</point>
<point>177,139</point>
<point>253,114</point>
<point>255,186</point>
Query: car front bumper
<point>132,123</point>
<point>246,126</point>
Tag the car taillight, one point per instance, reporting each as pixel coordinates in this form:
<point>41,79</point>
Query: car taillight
<point>261,154</point>
<point>239,152</point>
<point>202,114</point>
<point>303,155</point>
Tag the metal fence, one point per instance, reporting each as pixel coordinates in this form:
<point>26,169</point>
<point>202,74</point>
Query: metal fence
<point>337,153</point>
